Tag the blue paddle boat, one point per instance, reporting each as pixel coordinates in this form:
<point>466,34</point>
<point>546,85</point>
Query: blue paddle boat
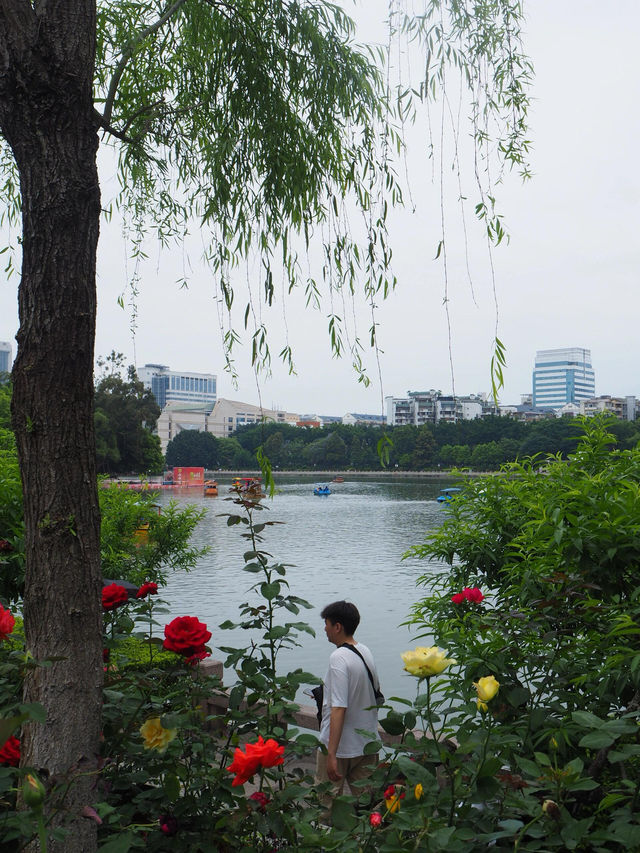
<point>447,495</point>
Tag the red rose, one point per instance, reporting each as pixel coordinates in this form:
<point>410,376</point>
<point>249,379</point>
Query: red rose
<point>473,594</point>
<point>148,588</point>
<point>168,824</point>
<point>186,636</point>
<point>198,654</point>
<point>5,545</point>
<point>261,799</point>
<point>113,596</point>
<point>457,598</point>
<point>10,752</point>
<point>262,753</point>
<point>268,752</point>
<point>375,819</point>
<point>7,621</point>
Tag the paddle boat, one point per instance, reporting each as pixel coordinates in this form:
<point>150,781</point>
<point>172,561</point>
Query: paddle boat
<point>321,489</point>
<point>141,533</point>
<point>248,487</point>
<point>447,495</point>
<point>211,488</point>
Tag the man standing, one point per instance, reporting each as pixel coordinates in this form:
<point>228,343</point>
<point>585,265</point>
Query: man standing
<point>349,704</point>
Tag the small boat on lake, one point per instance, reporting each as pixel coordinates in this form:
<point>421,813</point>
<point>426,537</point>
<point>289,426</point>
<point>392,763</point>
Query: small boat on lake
<point>321,489</point>
<point>211,488</point>
<point>447,495</point>
<point>338,479</point>
<point>248,487</point>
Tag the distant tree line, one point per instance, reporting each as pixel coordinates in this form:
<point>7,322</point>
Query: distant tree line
<point>482,445</point>
<point>126,415</point>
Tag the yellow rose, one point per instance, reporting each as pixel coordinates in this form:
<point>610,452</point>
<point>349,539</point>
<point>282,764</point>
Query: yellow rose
<point>482,706</point>
<point>487,688</point>
<point>392,798</point>
<point>418,791</point>
<point>155,735</point>
<point>423,661</point>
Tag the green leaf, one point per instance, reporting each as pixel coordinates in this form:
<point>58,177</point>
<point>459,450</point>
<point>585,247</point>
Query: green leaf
<point>342,816</point>
<point>489,767</point>
<point>529,767</point>
<point>597,740</point>
<point>270,590</point>
<point>586,719</point>
<point>34,711</point>
<point>171,786</point>
<point>393,723</point>
<point>120,844</point>
<point>511,826</point>
<point>583,785</point>
<point>8,725</point>
<point>276,633</point>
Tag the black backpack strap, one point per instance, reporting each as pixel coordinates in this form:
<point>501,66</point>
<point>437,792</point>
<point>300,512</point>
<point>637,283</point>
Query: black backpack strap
<point>355,651</point>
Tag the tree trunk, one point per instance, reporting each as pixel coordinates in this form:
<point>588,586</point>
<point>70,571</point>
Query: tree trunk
<point>46,115</point>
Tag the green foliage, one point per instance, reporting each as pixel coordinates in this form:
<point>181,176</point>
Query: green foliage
<point>125,414</point>
<point>193,448</point>
<point>138,543</point>
<point>12,557</point>
<point>551,763</point>
<point>556,553</point>
<point>7,439</point>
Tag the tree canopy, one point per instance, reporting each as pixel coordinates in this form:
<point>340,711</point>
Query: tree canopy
<point>193,448</point>
<point>125,416</point>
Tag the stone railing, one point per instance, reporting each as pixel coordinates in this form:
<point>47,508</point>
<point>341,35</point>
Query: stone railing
<point>305,717</point>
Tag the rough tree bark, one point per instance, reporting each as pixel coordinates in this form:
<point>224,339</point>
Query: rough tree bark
<point>46,116</point>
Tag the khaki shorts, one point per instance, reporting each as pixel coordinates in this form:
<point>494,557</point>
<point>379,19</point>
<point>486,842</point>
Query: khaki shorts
<point>351,770</point>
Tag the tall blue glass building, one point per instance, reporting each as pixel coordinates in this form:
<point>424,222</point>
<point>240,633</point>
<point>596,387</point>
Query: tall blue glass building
<point>5,357</point>
<point>562,376</point>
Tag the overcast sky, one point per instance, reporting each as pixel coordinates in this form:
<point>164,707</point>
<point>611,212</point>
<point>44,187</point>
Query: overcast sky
<point>568,277</point>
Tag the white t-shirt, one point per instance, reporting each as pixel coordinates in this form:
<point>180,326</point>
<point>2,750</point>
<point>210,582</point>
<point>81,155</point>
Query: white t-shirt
<point>347,685</point>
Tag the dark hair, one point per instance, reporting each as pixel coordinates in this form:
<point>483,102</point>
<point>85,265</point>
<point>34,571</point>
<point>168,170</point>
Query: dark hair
<point>343,612</point>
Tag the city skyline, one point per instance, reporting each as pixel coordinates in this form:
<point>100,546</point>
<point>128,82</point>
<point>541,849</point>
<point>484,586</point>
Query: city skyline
<point>569,276</point>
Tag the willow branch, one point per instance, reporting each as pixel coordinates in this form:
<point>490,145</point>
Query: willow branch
<point>128,53</point>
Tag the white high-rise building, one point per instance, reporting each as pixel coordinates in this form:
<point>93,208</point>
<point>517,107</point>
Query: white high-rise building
<point>172,386</point>
<point>562,376</point>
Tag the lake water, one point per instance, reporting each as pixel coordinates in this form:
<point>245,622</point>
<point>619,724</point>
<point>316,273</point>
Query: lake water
<point>348,545</point>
